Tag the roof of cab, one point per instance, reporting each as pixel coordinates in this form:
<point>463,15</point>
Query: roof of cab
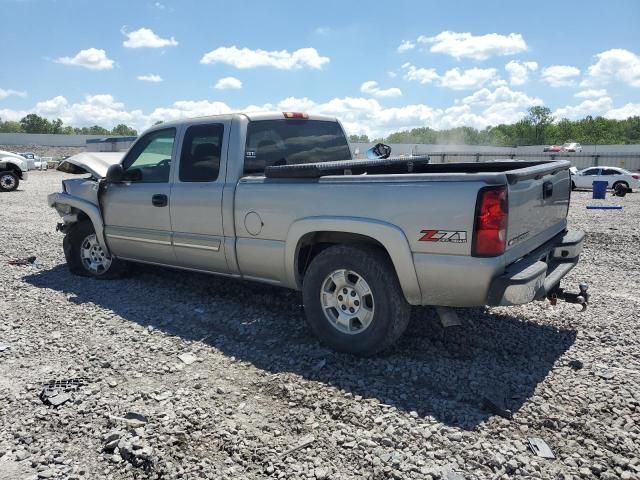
<point>252,116</point>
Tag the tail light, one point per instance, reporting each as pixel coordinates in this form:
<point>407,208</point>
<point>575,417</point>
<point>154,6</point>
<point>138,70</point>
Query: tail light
<point>637,177</point>
<point>490,228</point>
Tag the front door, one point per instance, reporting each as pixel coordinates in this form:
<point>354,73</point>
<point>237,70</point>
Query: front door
<point>196,199</point>
<point>136,211</point>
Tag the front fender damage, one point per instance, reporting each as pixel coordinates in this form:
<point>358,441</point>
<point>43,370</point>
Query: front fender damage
<point>71,208</point>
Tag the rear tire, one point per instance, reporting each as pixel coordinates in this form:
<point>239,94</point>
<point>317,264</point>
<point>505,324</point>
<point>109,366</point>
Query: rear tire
<point>85,257</point>
<point>9,181</point>
<point>353,300</point>
<point>618,184</point>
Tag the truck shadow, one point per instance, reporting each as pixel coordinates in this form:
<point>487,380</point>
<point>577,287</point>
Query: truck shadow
<point>460,377</point>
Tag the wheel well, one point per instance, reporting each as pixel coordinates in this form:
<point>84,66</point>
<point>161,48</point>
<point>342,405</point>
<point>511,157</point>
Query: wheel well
<point>11,167</point>
<point>311,244</point>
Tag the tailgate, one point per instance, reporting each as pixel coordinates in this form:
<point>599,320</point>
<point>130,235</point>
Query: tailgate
<point>538,204</point>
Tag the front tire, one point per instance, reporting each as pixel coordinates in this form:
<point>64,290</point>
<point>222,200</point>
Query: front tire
<point>9,181</point>
<point>85,257</point>
<point>353,300</point>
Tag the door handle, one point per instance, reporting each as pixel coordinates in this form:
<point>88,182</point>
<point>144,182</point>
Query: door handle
<point>547,190</point>
<point>159,200</point>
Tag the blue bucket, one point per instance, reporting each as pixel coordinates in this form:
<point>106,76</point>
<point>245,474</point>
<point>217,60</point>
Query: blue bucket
<point>600,189</point>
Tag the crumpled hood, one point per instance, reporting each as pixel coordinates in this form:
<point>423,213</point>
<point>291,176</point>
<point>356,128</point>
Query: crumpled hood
<point>95,163</point>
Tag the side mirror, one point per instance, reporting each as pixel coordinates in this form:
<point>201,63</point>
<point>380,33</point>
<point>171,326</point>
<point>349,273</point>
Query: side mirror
<point>115,174</point>
<point>378,151</point>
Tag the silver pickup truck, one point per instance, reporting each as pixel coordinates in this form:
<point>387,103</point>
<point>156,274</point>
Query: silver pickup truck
<point>277,198</point>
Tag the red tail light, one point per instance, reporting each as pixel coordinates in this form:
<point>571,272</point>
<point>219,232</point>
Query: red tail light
<point>490,229</point>
<point>637,177</point>
<point>295,115</point>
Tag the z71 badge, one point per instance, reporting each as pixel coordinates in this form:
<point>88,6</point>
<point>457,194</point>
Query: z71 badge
<point>451,236</point>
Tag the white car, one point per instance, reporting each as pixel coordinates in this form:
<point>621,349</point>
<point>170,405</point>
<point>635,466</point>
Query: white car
<point>614,176</point>
<point>571,147</point>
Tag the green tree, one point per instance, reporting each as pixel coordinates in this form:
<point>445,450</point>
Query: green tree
<point>56,126</point>
<point>97,130</point>
<point>33,123</point>
<point>359,138</point>
<point>10,127</point>
<point>124,130</point>
<point>540,117</point>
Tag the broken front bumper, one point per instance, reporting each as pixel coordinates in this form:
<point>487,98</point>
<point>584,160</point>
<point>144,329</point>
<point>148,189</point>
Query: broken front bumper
<point>534,276</point>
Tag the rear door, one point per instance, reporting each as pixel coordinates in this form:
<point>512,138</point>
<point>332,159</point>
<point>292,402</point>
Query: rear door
<point>538,205</point>
<point>196,198</point>
<point>610,175</point>
<point>136,211</point>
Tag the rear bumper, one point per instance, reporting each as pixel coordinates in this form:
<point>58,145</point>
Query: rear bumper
<point>535,275</point>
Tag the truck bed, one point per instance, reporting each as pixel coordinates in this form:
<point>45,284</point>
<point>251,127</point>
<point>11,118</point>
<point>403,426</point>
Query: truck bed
<point>404,165</point>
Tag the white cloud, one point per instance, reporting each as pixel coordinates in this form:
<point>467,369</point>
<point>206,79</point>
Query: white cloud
<point>392,74</point>
<point>519,71</point>
<point>472,78</point>
<point>159,5</point>
<point>560,75</point>
<point>455,79</point>
<point>501,95</point>
<point>626,111</point>
<point>91,58</point>
<point>614,65</point>
<point>146,38</point>
<point>324,31</point>
<point>591,93</point>
<point>11,93</point>
<point>587,107</point>
<point>406,45</point>
<point>422,75</point>
<point>153,78</point>
<point>52,107</point>
<point>282,59</point>
<point>479,47</point>
<point>228,83</point>
<point>372,88</point>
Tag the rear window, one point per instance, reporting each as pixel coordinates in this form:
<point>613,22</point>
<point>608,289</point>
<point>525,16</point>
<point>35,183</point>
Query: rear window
<point>287,142</point>
<point>200,159</point>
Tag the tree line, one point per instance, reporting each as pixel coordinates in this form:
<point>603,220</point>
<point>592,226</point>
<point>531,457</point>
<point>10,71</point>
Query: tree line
<point>538,127</point>
<point>33,123</point>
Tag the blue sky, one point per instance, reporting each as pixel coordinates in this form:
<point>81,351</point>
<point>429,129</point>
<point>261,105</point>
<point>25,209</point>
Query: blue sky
<point>380,67</point>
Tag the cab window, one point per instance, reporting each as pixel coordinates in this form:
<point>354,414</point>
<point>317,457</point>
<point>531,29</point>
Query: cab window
<point>150,159</point>
<point>592,171</point>
<point>200,157</point>
<point>289,141</point>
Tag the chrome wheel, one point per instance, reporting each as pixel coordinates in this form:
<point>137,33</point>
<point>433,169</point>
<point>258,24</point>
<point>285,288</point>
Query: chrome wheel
<point>347,301</point>
<point>93,257</point>
<point>7,181</point>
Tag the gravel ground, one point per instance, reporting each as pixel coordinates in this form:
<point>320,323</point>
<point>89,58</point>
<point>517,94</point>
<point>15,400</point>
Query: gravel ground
<point>254,384</point>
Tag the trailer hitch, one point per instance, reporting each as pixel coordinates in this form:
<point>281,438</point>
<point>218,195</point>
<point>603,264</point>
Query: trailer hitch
<point>581,298</point>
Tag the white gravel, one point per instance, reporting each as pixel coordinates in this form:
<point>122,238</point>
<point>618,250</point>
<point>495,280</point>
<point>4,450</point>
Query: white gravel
<point>255,384</point>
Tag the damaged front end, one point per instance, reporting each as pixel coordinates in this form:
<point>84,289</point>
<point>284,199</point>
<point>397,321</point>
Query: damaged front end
<point>79,197</point>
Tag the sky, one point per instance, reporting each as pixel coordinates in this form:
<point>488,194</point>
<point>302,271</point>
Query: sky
<point>379,67</point>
